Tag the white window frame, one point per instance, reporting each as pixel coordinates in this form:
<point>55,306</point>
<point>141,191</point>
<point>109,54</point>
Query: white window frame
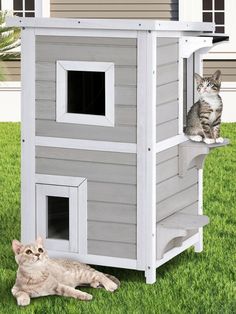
<point>76,190</point>
<point>61,94</point>
<point>42,7</point>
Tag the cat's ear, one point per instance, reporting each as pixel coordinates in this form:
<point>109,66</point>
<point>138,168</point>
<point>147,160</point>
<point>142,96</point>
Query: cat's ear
<point>39,240</point>
<point>217,76</point>
<point>198,78</point>
<point>16,246</point>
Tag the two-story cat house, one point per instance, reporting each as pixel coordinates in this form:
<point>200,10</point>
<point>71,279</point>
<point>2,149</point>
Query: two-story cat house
<point>108,177</point>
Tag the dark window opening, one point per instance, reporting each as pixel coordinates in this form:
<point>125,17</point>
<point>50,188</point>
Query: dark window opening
<point>20,14</point>
<point>58,217</point>
<point>86,92</point>
<point>219,18</point>
<point>207,17</point>
<point>207,4</point>
<point>219,5</point>
<point>29,5</point>
<point>220,29</point>
<point>24,8</point>
<point>213,11</point>
<point>18,5</point>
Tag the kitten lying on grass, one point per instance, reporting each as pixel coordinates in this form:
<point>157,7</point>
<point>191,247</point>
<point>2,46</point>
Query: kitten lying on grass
<point>204,117</point>
<point>38,275</point>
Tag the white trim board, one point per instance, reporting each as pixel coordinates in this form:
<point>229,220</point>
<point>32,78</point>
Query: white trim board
<point>170,142</point>
<point>86,144</point>
<point>58,180</point>
<point>60,186</point>
<point>97,259</point>
<point>62,114</point>
<point>28,211</point>
<point>124,24</point>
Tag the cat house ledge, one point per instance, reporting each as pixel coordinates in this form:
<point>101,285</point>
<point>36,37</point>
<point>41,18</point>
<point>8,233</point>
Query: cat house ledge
<point>175,227</point>
<point>191,153</point>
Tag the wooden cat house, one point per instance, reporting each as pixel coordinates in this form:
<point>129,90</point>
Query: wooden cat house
<point>108,176</point>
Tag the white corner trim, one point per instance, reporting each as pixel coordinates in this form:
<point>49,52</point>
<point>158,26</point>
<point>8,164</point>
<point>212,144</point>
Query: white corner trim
<point>28,211</point>
<point>58,180</point>
<point>188,45</point>
<point>86,144</point>
<point>61,94</point>
<point>42,8</point>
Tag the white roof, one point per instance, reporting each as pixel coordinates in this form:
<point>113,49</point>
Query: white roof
<point>124,24</point>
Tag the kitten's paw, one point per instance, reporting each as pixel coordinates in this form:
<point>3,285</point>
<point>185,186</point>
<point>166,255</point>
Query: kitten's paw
<point>95,284</point>
<point>23,300</point>
<point>110,286</point>
<point>195,138</point>
<point>209,140</point>
<point>114,279</point>
<point>84,296</point>
<point>219,140</point>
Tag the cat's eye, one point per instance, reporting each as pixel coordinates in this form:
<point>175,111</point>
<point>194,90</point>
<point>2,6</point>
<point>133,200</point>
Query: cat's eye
<point>40,250</point>
<point>28,252</point>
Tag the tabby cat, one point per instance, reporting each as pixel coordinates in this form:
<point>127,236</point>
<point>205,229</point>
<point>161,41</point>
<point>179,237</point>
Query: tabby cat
<point>38,275</point>
<point>204,118</point>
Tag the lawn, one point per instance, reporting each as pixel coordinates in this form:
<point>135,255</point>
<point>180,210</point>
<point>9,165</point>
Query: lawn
<point>190,283</point>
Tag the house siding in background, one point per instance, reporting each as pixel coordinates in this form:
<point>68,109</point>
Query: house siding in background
<point>227,67</point>
<point>11,71</point>
<point>130,9</point>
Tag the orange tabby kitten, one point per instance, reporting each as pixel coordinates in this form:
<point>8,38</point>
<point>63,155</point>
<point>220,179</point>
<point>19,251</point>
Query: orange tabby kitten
<point>38,275</point>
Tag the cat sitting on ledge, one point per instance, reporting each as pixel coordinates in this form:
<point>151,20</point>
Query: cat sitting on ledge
<point>204,117</point>
<point>38,275</point>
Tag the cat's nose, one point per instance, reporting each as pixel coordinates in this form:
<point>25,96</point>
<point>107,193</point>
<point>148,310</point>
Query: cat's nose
<point>37,254</point>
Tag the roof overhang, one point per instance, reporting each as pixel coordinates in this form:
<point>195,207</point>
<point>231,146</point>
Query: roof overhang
<point>110,24</point>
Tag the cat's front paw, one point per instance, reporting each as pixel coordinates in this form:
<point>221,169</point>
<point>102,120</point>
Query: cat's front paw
<point>23,300</point>
<point>84,296</point>
<point>110,286</point>
<point>195,138</point>
<point>209,140</point>
<point>219,140</point>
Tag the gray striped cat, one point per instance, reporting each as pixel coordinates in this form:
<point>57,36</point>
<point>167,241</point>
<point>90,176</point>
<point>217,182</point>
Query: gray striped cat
<point>38,275</point>
<point>204,117</point>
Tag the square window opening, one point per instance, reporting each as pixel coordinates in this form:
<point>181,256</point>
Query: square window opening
<point>58,217</point>
<point>86,92</point>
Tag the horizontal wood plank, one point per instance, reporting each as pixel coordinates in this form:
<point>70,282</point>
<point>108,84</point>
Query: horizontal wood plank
<point>114,232</point>
<point>177,202</point>
<point>99,172</point>
<point>123,250</point>
<point>86,155</point>
<point>110,212</point>
<point>121,134</point>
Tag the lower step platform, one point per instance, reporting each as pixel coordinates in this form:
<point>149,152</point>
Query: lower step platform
<point>176,227</point>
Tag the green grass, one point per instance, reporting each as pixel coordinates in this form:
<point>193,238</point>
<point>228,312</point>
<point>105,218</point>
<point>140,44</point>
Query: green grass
<point>190,283</point>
